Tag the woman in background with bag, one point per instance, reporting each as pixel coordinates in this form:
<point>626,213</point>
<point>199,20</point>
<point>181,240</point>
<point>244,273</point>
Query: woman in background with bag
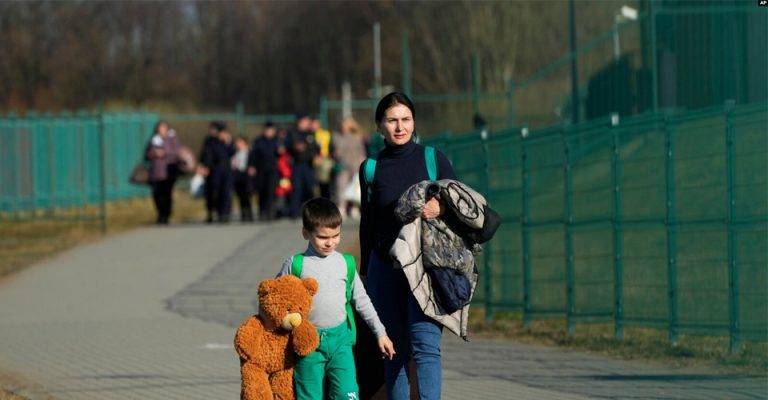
<point>350,152</point>
<point>162,153</point>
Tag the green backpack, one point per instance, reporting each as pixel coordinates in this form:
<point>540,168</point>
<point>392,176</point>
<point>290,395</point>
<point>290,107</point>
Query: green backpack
<point>369,169</point>
<point>298,265</point>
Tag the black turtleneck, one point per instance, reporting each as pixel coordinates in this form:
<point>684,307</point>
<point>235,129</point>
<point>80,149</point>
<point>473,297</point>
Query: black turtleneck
<point>397,169</point>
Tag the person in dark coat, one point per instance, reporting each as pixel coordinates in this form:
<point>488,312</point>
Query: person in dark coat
<point>262,166</point>
<point>206,165</point>
<point>162,153</point>
<point>303,149</point>
<point>221,177</point>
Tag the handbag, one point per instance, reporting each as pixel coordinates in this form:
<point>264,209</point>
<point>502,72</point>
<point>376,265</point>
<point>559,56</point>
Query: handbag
<point>139,175</point>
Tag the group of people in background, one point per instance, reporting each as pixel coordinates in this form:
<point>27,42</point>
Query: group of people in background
<point>281,167</point>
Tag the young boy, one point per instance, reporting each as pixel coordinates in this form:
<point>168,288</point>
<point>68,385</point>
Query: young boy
<point>331,311</point>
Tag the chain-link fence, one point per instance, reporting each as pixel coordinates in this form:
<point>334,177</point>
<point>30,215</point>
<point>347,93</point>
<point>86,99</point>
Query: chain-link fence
<point>656,220</point>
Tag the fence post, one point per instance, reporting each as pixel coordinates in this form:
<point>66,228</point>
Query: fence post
<point>618,274</point>
<point>733,273</point>
<point>654,64</point>
<point>16,154</point>
<point>475,83</point>
<point>511,102</point>
<point>102,171</point>
<point>324,111</point>
<point>406,63</point>
<point>568,236</point>
<point>239,111</point>
<point>524,227</point>
<point>671,224</point>
<point>487,251</point>
<point>33,120</point>
<point>51,212</point>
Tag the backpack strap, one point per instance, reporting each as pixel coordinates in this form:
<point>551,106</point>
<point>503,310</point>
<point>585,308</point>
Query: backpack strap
<point>351,271</point>
<point>369,171</point>
<point>297,265</point>
<point>369,168</point>
<point>431,159</point>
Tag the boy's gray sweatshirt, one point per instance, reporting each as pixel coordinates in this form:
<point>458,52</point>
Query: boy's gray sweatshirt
<point>329,304</point>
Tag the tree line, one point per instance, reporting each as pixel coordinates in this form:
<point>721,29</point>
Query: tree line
<point>272,56</point>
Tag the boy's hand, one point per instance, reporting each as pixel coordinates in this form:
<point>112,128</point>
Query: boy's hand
<point>386,347</point>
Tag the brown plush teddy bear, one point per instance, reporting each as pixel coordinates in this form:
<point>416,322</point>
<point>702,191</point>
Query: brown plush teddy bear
<point>270,343</point>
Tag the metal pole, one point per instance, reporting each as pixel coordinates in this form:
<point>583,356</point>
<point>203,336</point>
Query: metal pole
<point>618,275</point>
<point>406,64</point>
<point>324,111</point>
<point>616,47</point>
<point>377,60</point>
<point>102,171</point>
<point>574,63</point>
<point>511,102</point>
<point>488,265</point>
<point>568,236</point>
<point>671,223</point>
<point>346,100</point>
<point>239,112</point>
<point>525,229</point>
<point>733,272</point>
<point>475,83</point>
<point>654,64</point>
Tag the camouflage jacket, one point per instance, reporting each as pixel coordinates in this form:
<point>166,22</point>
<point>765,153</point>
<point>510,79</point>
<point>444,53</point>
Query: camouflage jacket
<point>436,242</point>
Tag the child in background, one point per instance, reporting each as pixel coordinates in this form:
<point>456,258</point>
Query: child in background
<point>241,181</point>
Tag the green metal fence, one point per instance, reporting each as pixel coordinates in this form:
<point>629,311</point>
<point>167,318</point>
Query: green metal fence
<point>69,161</point>
<point>653,221</point>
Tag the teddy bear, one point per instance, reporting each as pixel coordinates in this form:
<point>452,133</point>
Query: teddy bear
<point>270,343</point>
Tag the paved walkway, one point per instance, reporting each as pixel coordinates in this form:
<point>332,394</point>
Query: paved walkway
<point>151,314</point>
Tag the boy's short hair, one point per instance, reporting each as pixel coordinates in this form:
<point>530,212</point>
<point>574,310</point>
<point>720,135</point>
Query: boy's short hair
<point>320,213</point>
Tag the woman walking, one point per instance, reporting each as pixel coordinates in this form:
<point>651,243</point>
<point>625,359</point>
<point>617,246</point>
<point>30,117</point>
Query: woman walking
<point>401,164</point>
<point>162,153</point>
<point>350,152</point>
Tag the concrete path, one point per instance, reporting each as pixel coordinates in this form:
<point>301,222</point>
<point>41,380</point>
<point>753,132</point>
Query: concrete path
<point>151,314</point>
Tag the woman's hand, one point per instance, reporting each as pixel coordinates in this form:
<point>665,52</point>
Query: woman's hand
<point>386,347</point>
<point>432,209</point>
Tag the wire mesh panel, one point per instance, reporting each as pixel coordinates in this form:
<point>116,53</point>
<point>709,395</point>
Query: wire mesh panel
<point>750,208</point>
<point>56,162</point>
<point>505,196</point>
<point>589,159</point>
<point>545,190</point>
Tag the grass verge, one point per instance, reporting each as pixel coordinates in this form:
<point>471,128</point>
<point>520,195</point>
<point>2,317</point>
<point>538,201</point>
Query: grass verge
<point>639,343</point>
<point>9,396</point>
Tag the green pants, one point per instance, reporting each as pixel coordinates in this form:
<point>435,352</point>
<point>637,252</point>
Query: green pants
<point>332,362</point>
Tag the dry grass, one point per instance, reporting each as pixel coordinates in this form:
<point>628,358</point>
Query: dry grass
<point>639,343</point>
<point>27,242</point>
<point>9,396</point>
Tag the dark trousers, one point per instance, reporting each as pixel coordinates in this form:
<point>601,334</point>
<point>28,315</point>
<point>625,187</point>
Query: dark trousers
<point>266,183</point>
<point>303,182</point>
<point>220,186</point>
<point>162,194</point>
<point>243,190</point>
<point>210,196</point>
